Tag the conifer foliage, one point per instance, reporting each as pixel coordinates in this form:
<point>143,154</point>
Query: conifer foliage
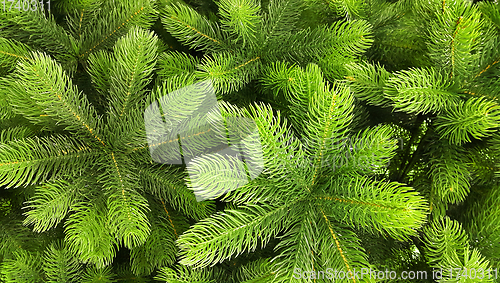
<point>375,132</point>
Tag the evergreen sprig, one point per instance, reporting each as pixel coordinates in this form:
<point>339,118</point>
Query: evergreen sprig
<point>105,209</point>
<point>297,182</point>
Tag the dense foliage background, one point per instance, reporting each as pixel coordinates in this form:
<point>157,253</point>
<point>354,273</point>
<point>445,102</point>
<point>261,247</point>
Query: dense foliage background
<point>369,132</point>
